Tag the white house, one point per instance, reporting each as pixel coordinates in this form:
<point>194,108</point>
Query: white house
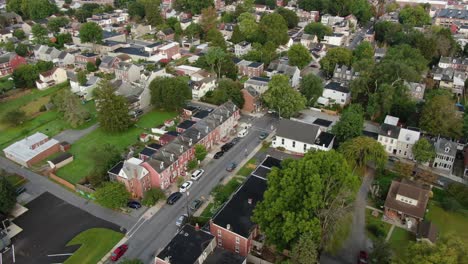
<point>292,72</point>
<point>259,84</point>
<point>388,137</point>
<point>84,91</point>
<point>406,140</point>
<point>446,152</point>
<point>200,88</point>
<point>299,137</point>
<point>337,39</point>
<point>126,71</point>
<point>51,78</point>
<point>335,93</point>
<point>242,48</point>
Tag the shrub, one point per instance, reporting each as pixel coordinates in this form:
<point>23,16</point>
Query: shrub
<point>450,204</point>
<point>222,193</point>
<point>14,117</point>
<point>192,164</point>
<point>152,196</point>
<point>281,148</point>
<point>180,181</point>
<point>43,108</point>
<point>376,229</point>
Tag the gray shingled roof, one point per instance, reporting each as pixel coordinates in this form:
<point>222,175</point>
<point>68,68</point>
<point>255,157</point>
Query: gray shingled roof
<point>298,131</point>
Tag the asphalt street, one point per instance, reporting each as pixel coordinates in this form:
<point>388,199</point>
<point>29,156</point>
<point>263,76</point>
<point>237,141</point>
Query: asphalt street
<point>151,235</point>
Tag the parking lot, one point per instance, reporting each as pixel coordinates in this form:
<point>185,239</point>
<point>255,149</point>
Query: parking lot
<point>48,226</point>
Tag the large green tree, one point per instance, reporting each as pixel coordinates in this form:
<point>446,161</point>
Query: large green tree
<point>200,152</point>
<point>209,19</point>
<point>71,107</point>
<point>14,117</point>
<point>152,12</point>
<point>289,16</point>
<point>439,117</point>
<point>274,28</point>
<point>54,24</point>
<point>216,57</point>
<point>170,93</point>
<point>414,16</point>
<point>281,97</point>
<point>248,26</point>
<point>448,249</point>
<point>363,51</point>
<point>362,150</point>
<point>91,32</point>
<point>216,39</point>
<point>299,56</point>
<point>423,151</point>
<point>40,34</point>
<point>227,90</point>
<point>311,88</point>
<point>306,196</point>
<point>104,157</point>
<point>318,29</point>
<point>7,194</point>
<point>192,6</point>
<point>335,56</point>
<point>112,109</point>
<point>351,123</point>
<point>304,251</point>
<point>112,195</point>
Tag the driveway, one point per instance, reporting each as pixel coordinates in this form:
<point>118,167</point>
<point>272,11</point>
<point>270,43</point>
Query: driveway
<point>48,225</point>
<point>71,135</point>
<point>152,235</point>
<point>357,239</point>
<point>38,184</point>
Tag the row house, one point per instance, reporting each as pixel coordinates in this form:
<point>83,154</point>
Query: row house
<point>447,17</point>
<point>126,71</point>
<point>170,161</point>
<point>344,74</point>
<point>458,64</point>
<point>396,140</point>
<point>106,19</point>
<point>166,34</point>
<point>99,2</point>
<point>9,62</point>
<point>109,64</point>
<point>250,68</point>
<point>280,67</point>
<point>65,59</point>
<point>448,78</point>
<point>446,151</point>
<point>307,17</point>
<point>84,91</point>
<point>46,53</point>
<point>51,78</point>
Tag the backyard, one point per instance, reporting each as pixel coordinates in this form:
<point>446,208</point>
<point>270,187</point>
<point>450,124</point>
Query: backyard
<point>83,164</point>
<point>95,243</point>
<point>47,122</point>
<point>448,222</point>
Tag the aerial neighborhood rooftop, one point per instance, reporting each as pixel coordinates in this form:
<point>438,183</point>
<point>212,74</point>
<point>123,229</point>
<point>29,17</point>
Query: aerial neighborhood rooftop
<point>240,131</point>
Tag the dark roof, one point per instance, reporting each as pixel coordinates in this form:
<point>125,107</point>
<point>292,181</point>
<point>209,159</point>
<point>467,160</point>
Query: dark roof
<point>298,131</point>
<point>88,54</point>
<point>186,246</point>
<point>336,86</point>
<point>186,124</point>
<point>173,133</point>
<point>255,64</point>
<point>324,139</point>
<point>389,130</point>
<point>147,152</point>
<point>222,256</point>
<point>237,212</point>
<point>154,45</point>
<point>370,134</point>
<point>322,122</point>
<point>236,60</point>
<point>427,230</point>
<point>271,162</point>
<point>154,146</point>
<point>61,157</point>
<point>261,172</point>
<point>411,190</point>
<point>132,51</point>
<point>261,79</point>
<point>190,108</point>
<point>202,114</point>
<point>116,169</point>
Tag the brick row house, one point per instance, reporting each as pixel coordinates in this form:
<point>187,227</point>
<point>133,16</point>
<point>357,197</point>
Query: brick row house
<point>162,168</point>
<point>9,62</point>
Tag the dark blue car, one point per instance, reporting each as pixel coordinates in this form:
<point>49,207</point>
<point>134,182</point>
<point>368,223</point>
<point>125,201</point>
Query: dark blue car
<point>134,204</point>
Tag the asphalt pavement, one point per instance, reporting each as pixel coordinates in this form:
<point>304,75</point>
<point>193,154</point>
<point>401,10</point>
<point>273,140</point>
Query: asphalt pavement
<point>151,235</point>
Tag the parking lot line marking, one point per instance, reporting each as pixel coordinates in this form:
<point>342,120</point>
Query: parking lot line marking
<point>58,255</point>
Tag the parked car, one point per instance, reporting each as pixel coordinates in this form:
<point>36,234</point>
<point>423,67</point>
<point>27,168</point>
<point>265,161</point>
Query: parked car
<point>134,204</point>
<point>235,140</point>
<point>118,252</point>
<point>232,166</point>
<point>195,204</point>
<point>226,147</point>
<point>218,154</point>
<point>196,175</point>
<point>185,186</point>
<point>263,135</point>
<point>363,257</point>
<point>173,198</point>
<point>181,220</point>
<point>242,133</point>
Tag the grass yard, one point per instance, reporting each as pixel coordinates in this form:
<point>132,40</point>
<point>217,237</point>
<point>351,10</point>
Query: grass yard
<point>95,244</point>
<point>83,164</point>
<point>400,240</point>
<point>448,222</point>
<point>375,227</point>
<point>207,212</point>
<point>5,84</point>
<point>248,168</point>
<point>16,180</point>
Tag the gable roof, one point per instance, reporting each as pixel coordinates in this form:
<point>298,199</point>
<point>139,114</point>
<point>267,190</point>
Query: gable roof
<point>298,131</point>
<point>411,190</point>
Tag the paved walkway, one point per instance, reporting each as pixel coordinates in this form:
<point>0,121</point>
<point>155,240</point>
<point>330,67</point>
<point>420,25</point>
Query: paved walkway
<point>71,135</point>
<point>389,234</point>
<point>39,184</point>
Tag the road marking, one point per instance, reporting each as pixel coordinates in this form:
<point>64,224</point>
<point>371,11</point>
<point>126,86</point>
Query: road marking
<point>130,233</point>
<point>58,255</point>
<point>13,252</point>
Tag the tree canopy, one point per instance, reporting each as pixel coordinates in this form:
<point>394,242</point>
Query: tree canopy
<point>439,117</point>
<point>112,109</point>
<point>112,195</point>
<point>304,251</point>
<point>281,97</point>
<point>318,29</point>
<point>448,250</point>
<point>361,150</point>
<point>227,90</point>
<point>306,196</point>
<point>423,151</point>
<point>170,93</point>
<point>7,194</point>
<point>311,88</point>
<point>299,56</point>
<point>289,16</point>
<point>335,56</point>
<point>71,107</point>
<point>32,9</point>
<point>359,8</point>
<point>91,32</point>
<point>414,16</point>
<point>274,28</point>
<point>15,117</point>
<point>351,123</point>
<point>192,6</point>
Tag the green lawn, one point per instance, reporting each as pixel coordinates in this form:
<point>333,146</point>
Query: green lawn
<point>5,84</point>
<point>375,227</point>
<point>207,211</point>
<point>448,222</point>
<point>248,168</point>
<point>400,239</point>
<point>16,180</point>
<point>95,244</point>
<point>83,164</point>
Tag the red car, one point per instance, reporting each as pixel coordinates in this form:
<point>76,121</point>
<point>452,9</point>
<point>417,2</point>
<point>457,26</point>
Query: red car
<point>363,257</point>
<point>118,252</point>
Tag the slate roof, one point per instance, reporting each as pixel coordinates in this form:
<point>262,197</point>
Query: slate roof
<point>443,144</point>
<point>61,157</point>
<point>186,124</point>
<point>411,190</point>
<point>336,86</point>
<point>297,131</point>
<point>453,13</point>
<point>116,169</point>
<point>389,131</point>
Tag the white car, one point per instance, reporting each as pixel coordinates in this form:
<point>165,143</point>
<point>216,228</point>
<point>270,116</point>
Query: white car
<point>185,186</point>
<point>197,174</point>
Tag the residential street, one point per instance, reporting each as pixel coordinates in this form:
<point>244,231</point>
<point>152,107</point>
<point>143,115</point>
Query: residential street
<point>38,184</point>
<point>150,236</point>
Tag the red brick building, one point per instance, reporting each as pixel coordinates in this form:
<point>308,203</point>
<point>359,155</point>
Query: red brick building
<point>9,62</point>
<point>84,58</point>
<point>251,69</point>
<point>252,102</point>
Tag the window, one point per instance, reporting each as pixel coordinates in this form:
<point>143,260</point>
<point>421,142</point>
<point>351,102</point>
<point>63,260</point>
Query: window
<point>305,147</point>
<point>282,141</point>
<point>294,144</point>
<point>237,248</point>
<point>391,141</point>
<point>237,240</point>
<point>219,233</point>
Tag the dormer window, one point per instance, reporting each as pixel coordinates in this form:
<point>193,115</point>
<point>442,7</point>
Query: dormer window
<point>206,130</point>
<point>161,166</point>
<point>199,135</point>
<point>190,142</point>
<point>181,149</point>
<point>172,157</point>
<point>447,149</point>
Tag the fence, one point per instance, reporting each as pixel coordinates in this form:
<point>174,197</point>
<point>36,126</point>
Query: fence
<point>61,181</point>
<point>256,260</point>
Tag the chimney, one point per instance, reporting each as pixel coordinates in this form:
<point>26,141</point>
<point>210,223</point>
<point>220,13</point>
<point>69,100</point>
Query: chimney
<point>389,132</point>
<point>249,200</point>
<point>228,227</point>
<point>197,227</point>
